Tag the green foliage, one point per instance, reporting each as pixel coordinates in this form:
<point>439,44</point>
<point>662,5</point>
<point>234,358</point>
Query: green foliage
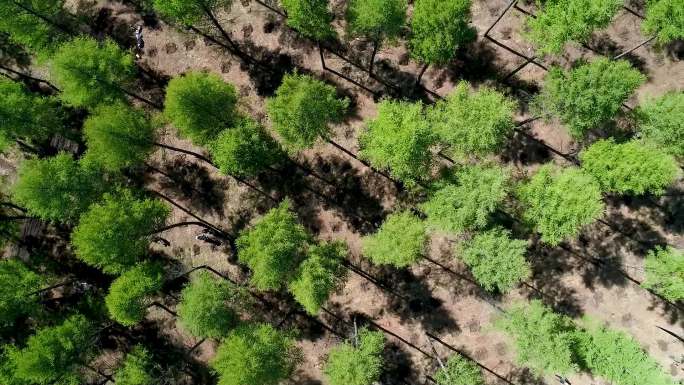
<point>209,306</point>
<point>319,275</point>
<point>459,370</point>
<point>665,273</point>
<point>660,122</point>
<point>497,261</point>
<point>399,139</point>
<point>245,150</point>
<point>273,248</point>
<point>113,234</point>
<point>54,354</point>
<point>560,202</point>
<point>16,291</point>
<point>129,293</point>
<point>439,28</point>
<point>361,364</point>
<point>90,73</point>
<point>630,167</point>
<point>544,341</point>
<point>200,105</point>
<point>664,18</point>
<point>118,136</point>
<point>561,21</point>
<point>310,17</point>
<point>255,355</point>
<point>189,11</point>
<point>19,19</point>
<point>376,19</point>
<point>302,109</point>
<point>26,116</point>
<point>467,204</point>
<point>400,241</point>
<point>473,122</point>
<point>589,95</point>
<point>57,188</point>
<point>136,368</point>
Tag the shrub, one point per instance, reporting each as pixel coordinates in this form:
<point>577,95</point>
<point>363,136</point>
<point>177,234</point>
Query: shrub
<point>664,269</point>
<point>128,295</point>
<point>319,274</point>
<point>665,19</point>
<point>245,150</point>
<point>400,241</point>
<point>360,364</point>
<point>660,121</point>
<point>459,371</point>
<point>310,17</point>
<point>136,369</point>
<point>17,292</point>
<point>439,28</point>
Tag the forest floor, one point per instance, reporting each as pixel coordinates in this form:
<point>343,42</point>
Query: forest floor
<point>596,276</point>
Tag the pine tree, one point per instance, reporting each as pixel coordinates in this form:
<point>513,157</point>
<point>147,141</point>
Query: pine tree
<point>311,18</point>
<point>18,291</point>
<point>439,28</point>
<point>39,25</point>
<point>358,363</point>
<point>129,293</point>
<point>664,269</point>
<point>459,370</point>
<point>136,369</point>
<point>665,19</point>
<point>660,121</point>
<point>400,241</point>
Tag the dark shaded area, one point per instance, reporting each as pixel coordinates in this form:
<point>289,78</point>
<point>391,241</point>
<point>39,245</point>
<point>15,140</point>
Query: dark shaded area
<point>675,49</point>
<point>475,63</point>
<point>524,150</point>
<point>397,368</point>
<point>602,44</point>
<point>12,54</point>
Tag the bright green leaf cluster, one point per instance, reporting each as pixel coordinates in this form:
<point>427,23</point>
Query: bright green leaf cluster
<point>24,24</point>
<point>664,269</point>
<point>356,364</point>
<point>129,293</point>
<point>630,167</point>
<point>136,368</point>
<point>189,11</point>
<point>17,291</point>
<point>439,28</point>
<point>245,150</point>
<point>665,19</point>
<point>310,17</point>
<point>400,241</point>
<point>376,19</point>
<point>459,370</point>
<point>660,122</point>
<point>26,116</point>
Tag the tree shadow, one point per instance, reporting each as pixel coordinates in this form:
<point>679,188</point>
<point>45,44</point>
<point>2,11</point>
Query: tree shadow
<point>523,150</point>
<point>397,367</point>
<point>189,181</point>
<point>12,54</point>
<point>524,376</point>
<point>603,44</point>
<point>474,63</point>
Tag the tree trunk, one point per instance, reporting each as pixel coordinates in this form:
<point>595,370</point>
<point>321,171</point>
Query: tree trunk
<point>320,52</point>
<point>372,60</point>
<point>180,224</point>
<point>188,152</point>
<point>422,72</point>
<point>216,23</point>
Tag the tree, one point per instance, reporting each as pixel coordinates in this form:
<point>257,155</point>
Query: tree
<point>497,261</point>
<point>36,24</point>
<point>665,19</point>
<point>561,21</point>
<point>209,307</point>
<point>664,268</point>
<point>255,354</point>
<point>400,241</point>
<point>17,292</point>
<point>136,369</point>
<point>319,275</point>
<point>630,167</point>
<point>57,188</point>
<point>660,122</point>
<point>91,73</point>
<point>200,105</point>
<point>245,150</point>
<point>302,109</point>
<point>473,122</point>
<point>439,28</point>
<point>356,364</point>
<point>114,234</point>
<point>559,202</point>
<point>273,248</point>
<point>54,354</point>
<point>311,18</point>
<point>459,371</point>
<point>544,341</point>
<point>468,203</point>
<point>399,139</point>
<point>589,95</point>
<point>376,19</point>
<point>129,293</point>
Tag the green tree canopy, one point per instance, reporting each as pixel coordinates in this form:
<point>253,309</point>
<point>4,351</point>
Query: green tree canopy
<point>559,202</point>
<point>136,369</point>
<point>91,73</point>
<point>129,293</point>
<point>245,150</point>
<point>255,354</point>
<point>665,19</point>
<point>589,95</point>
<point>459,370</point>
<point>200,105</point>
<point>660,122</point>
<point>57,188</point>
<point>630,167</point>
<point>468,203</point>
<point>497,261</point>
<point>273,248</point>
<point>17,297</point>
<point>544,341</point>
<point>473,122</point>
<point>320,274</point>
<point>439,28</point>
<point>189,11</point>
<point>399,139</point>
<point>356,364</point>
<point>22,20</point>
<point>310,17</point>
<point>664,269</point>
<point>114,234</point>
<point>376,19</point>
<point>54,354</point>
<point>209,306</point>
<point>302,109</point>
<point>562,21</point>
<point>400,241</point>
